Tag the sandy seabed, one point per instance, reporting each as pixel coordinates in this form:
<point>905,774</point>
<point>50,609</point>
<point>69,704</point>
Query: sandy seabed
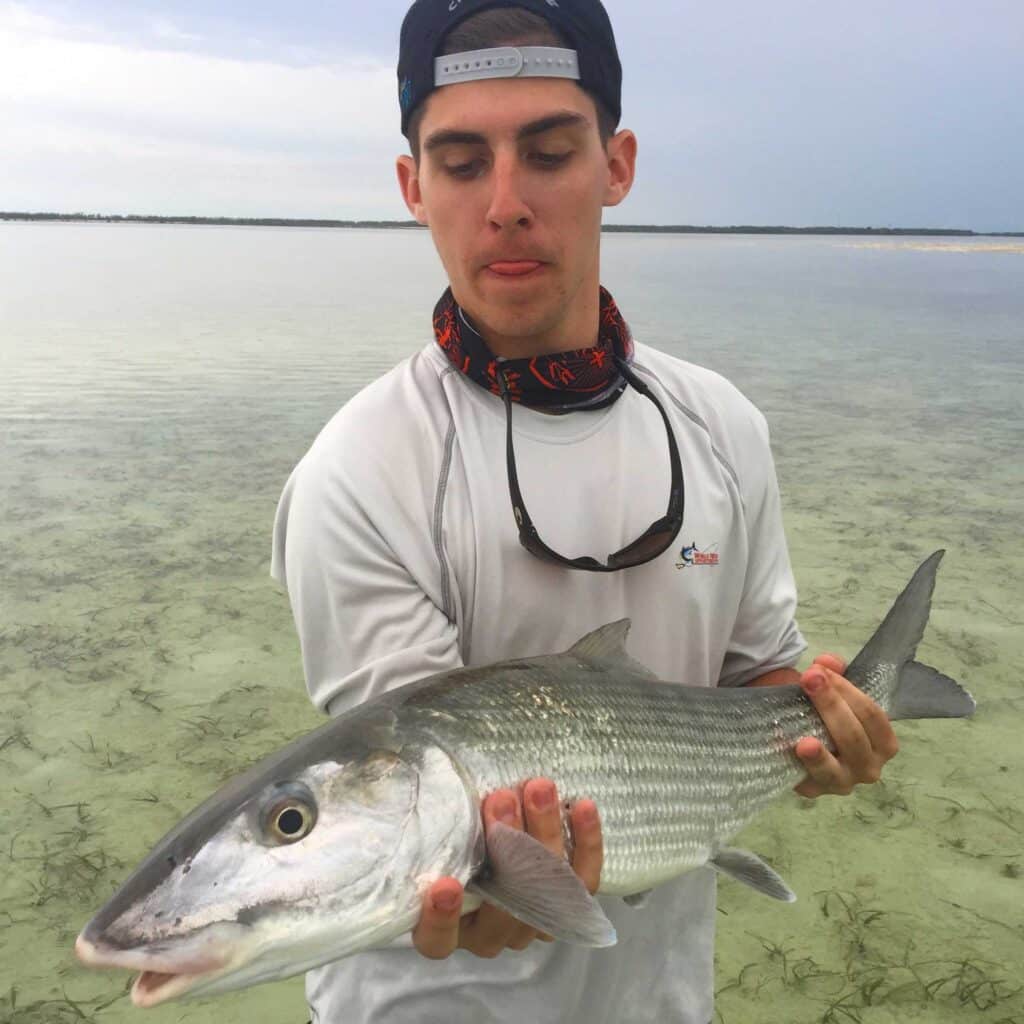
<point>145,656</point>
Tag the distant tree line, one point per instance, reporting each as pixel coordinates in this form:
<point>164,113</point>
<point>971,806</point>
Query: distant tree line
<point>779,229</point>
<point>286,222</point>
<point>270,222</point>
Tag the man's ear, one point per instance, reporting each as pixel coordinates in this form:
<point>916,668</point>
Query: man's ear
<point>409,183</point>
<point>621,151</point>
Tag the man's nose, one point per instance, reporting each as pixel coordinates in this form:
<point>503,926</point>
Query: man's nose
<point>509,206</point>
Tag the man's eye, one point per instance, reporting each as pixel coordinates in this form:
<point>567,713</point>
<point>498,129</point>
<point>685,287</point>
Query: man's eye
<point>466,170</point>
<point>550,159</point>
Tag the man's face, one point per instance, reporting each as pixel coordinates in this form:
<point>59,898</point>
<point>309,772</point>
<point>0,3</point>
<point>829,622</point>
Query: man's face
<point>511,180</point>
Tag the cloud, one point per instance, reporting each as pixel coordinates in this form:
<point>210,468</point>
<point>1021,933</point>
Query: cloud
<point>161,28</point>
<point>18,18</point>
<point>794,112</point>
<point>86,118</point>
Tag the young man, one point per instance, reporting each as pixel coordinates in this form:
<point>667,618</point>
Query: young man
<point>449,514</point>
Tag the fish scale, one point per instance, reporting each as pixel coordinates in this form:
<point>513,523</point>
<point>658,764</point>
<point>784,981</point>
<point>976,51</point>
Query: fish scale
<point>639,748</point>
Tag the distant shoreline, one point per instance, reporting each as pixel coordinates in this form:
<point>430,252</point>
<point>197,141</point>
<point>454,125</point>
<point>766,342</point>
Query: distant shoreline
<point>673,229</point>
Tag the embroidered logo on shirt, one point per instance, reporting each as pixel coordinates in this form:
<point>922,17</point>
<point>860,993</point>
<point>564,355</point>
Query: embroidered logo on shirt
<point>691,556</point>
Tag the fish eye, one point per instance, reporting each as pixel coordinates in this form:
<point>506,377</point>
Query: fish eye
<point>291,822</point>
<point>289,818</point>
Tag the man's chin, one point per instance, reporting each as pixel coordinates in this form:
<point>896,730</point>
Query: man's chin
<point>519,339</point>
<point>523,315</point>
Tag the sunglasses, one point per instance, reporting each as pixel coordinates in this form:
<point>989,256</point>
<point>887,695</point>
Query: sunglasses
<point>651,543</point>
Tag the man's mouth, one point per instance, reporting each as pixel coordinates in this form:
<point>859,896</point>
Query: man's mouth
<point>514,268</point>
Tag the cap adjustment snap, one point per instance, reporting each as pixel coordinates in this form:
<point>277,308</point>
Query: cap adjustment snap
<point>506,62</point>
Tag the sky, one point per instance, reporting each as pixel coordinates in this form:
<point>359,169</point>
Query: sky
<point>865,113</point>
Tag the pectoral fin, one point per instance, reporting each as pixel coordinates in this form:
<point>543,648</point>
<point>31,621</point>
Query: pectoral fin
<point>638,899</point>
<point>748,868</point>
<point>540,889</point>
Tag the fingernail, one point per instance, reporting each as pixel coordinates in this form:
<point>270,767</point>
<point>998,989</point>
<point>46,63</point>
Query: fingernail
<point>446,901</point>
<point>815,683</point>
<point>542,797</point>
<point>505,812</point>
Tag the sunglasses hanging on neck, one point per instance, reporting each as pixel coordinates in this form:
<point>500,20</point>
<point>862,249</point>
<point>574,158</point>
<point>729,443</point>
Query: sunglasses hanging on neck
<point>657,538</point>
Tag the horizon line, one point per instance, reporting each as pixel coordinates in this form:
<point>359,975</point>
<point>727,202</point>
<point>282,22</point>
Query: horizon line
<point>226,221</point>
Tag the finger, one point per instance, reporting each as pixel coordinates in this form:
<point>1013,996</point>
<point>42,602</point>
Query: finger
<point>825,774</point>
<point>809,789</point>
<point>832,662</point>
<point>873,719</point>
<point>491,929</point>
<point>503,805</point>
<point>520,942</point>
<point>848,736</point>
<point>587,843</point>
<point>543,814</point>
<point>436,936</point>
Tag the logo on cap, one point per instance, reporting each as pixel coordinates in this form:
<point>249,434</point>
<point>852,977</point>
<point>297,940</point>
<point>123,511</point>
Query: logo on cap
<point>405,93</point>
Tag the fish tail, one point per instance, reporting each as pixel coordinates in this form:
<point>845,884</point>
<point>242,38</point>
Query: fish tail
<point>919,691</point>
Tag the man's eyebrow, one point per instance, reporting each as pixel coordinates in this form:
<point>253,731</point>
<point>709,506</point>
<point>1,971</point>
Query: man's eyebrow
<point>569,119</point>
<point>450,137</point>
<point>454,137</point>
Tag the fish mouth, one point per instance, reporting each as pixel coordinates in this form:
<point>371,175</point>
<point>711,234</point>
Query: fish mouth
<point>162,976</point>
<point>153,987</point>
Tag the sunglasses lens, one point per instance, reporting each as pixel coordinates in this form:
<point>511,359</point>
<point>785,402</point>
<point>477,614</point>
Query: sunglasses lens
<point>642,550</point>
<point>539,549</point>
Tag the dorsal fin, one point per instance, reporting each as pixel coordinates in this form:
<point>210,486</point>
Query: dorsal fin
<point>608,644</point>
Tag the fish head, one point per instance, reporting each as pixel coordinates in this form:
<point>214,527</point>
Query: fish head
<point>304,859</point>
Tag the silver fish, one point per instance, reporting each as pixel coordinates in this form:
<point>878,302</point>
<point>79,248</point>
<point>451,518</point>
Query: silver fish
<point>325,848</point>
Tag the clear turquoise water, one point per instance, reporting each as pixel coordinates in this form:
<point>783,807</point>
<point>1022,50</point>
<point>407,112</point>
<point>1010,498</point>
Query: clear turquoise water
<point>158,383</point>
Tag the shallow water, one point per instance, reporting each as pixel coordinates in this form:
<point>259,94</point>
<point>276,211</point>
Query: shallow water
<point>158,383</point>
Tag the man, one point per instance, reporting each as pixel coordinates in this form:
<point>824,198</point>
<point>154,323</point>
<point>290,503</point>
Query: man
<point>404,555</point>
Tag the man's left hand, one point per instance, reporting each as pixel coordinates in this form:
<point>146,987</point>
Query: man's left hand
<point>860,730</point>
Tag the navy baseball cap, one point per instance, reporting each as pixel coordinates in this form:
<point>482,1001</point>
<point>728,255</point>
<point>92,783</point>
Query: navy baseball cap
<point>593,60</point>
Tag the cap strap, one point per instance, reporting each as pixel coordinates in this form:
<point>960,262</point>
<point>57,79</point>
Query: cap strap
<point>506,62</point>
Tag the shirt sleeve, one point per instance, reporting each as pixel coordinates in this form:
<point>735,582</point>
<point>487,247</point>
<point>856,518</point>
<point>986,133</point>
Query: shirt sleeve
<point>365,618</point>
<point>765,636</point>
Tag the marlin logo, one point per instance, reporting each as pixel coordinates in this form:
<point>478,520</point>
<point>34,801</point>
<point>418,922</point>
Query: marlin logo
<point>405,93</point>
<point>691,556</point>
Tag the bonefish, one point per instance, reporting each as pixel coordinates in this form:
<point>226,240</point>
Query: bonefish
<point>324,848</point>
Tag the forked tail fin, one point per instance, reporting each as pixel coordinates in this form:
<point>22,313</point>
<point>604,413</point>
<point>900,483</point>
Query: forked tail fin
<point>920,691</point>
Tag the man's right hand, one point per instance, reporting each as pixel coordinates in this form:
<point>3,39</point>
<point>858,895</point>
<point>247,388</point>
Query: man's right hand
<point>488,931</point>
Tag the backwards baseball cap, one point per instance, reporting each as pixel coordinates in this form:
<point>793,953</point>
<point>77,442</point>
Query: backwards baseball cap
<point>593,59</point>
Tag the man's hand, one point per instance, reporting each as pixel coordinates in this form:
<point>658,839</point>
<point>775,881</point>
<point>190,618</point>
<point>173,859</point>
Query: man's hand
<point>860,729</point>
<point>488,931</point>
